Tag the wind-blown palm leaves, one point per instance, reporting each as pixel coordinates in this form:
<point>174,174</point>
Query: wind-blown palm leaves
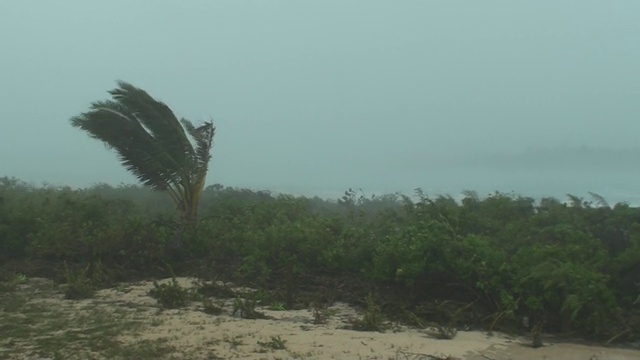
<point>153,144</point>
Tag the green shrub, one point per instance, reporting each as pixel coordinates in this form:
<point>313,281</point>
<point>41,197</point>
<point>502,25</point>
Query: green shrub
<point>372,319</point>
<point>321,313</point>
<point>215,289</point>
<point>170,295</point>
<point>276,343</point>
<point>277,306</point>
<point>246,309</point>
<point>78,286</point>
<point>574,264</point>
<point>211,308</point>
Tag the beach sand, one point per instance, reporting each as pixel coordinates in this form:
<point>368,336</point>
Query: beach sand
<point>192,334</point>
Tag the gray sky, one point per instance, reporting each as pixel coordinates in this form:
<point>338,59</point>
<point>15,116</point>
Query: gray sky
<point>317,96</point>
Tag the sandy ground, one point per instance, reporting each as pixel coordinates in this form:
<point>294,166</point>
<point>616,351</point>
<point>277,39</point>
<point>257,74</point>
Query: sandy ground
<point>196,335</point>
<point>557,351</point>
<point>194,329</point>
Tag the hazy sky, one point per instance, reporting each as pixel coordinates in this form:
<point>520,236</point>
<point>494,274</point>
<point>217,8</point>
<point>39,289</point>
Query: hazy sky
<point>320,96</point>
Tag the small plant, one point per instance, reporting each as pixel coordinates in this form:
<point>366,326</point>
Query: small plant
<point>446,332</point>
<point>78,285</point>
<point>99,274</point>
<point>170,295</point>
<point>20,278</point>
<point>277,306</point>
<point>246,309</point>
<point>276,343</point>
<point>233,342</point>
<point>372,319</point>
<point>261,296</point>
<point>321,314</point>
<point>536,334</point>
<point>447,317</point>
<point>214,289</point>
<point>209,307</point>
<point>123,289</point>
<point>443,332</point>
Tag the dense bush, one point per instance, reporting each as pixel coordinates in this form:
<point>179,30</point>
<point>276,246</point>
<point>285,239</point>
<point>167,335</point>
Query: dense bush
<point>573,266</point>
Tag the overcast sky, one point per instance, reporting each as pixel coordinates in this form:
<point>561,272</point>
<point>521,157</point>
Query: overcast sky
<point>319,96</point>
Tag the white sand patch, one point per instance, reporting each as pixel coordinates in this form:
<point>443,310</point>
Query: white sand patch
<point>227,336</point>
<point>193,334</point>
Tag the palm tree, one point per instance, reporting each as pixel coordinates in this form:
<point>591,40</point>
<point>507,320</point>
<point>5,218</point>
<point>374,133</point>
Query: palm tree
<point>153,144</point>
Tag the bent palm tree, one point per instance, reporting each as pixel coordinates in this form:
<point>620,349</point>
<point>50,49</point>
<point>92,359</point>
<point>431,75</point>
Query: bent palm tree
<point>153,144</point>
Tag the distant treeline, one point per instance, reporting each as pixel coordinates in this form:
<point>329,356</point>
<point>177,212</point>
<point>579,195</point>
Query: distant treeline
<point>572,267</point>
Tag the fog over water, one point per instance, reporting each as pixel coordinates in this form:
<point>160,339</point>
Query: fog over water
<point>314,97</point>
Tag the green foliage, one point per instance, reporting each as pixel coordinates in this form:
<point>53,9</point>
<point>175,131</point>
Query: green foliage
<point>277,306</point>
<point>445,316</point>
<point>215,289</point>
<point>372,318</point>
<point>575,265</point>
<point>446,332</point>
<point>563,280</point>
<point>170,295</point>
<point>321,313</point>
<point>78,285</point>
<point>276,343</point>
<point>211,308</point>
<point>246,309</point>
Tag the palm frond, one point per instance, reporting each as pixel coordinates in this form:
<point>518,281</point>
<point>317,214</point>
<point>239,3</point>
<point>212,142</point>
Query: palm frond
<point>113,124</point>
<point>158,118</point>
<point>600,200</point>
<point>203,136</point>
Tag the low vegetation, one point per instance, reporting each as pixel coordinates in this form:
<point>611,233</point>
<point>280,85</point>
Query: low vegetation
<point>372,319</point>
<point>568,267</point>
<point>275,343</point>
<point>170,295</point>
<point>36,322</point>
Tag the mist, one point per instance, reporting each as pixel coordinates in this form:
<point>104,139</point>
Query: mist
<point>312,98</point>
